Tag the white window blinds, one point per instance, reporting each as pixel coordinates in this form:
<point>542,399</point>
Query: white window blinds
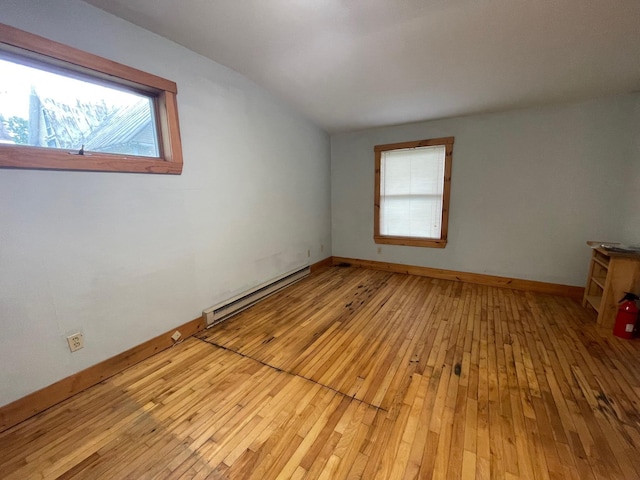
<point>411,192</point>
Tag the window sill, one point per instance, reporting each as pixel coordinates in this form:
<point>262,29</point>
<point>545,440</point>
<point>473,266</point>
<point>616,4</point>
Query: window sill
<point>47,159</point>
<point>411,241</point>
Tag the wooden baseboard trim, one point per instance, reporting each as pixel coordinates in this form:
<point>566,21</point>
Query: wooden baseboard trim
<point>36,402</point>
<point>478,278</point>
<point>327,262</point>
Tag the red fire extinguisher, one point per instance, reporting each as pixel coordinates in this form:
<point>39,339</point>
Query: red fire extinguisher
<point>627,316</point>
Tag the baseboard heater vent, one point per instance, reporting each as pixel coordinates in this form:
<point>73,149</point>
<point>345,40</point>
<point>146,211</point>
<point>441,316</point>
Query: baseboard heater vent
<point>224,310</point>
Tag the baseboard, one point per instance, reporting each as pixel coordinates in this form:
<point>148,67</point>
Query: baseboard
<point>36,402</point>
<point>478,278</point>
<point>327,262</point>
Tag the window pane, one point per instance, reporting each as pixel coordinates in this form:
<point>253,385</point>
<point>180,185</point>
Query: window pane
<point>46,109</point>
<point>413,171</point>
<point>411,192</point>
<point>411,216</point>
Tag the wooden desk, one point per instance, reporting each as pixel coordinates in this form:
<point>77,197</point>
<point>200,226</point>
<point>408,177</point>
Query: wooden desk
<point>610,275</point>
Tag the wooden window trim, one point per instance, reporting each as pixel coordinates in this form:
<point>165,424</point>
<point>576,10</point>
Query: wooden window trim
<point>441,242</point>
<point>165,91</point>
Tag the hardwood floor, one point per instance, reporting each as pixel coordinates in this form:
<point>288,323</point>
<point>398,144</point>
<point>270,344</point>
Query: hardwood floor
<point>355,373</point>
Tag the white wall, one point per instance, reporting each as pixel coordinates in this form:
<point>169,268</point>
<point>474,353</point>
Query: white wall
<point>529,187</point>
<point>631,217</point>
<point>125,257</point>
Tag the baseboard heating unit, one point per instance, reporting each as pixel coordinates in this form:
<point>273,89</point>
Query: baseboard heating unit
<point>224,310</point>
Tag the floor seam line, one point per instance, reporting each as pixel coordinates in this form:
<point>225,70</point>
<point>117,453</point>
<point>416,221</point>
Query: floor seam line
<point>290,373</point>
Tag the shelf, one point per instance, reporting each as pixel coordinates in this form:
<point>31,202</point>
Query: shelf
<point>600,281</point>
<point>594,301</point>
<point>600,261</point>
<point>610,275</point>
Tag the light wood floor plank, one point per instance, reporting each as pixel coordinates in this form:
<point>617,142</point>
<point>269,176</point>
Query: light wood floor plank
<point>359,374</point>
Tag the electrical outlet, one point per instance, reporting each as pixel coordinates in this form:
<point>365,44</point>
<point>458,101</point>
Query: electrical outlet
<point>176,336</point>
<point>322,248</point>
<point>75,341</point>
<point>379,249</point>
<point>308,253</point>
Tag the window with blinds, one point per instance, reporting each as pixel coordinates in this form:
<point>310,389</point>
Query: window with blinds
<point>412,192</point>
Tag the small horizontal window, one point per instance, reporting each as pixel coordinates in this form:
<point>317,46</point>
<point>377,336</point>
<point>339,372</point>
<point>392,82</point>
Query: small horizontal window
<point>61,108</point>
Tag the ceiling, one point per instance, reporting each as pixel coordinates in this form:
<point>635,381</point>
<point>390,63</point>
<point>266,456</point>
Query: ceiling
<point>354,64</point>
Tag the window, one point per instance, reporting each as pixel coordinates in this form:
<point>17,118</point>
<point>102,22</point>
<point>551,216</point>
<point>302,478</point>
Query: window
<point>61,108</point>
<point>413,181</point>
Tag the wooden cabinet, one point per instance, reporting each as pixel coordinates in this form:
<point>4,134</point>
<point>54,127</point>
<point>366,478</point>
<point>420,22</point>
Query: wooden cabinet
<point>610,275</point>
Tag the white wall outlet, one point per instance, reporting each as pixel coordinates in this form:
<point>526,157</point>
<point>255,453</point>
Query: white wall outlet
<point>321,248</point>
<point>379,249</point>
<point>176,336</point>
<point>308,253</point>
<point>75,341</point>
